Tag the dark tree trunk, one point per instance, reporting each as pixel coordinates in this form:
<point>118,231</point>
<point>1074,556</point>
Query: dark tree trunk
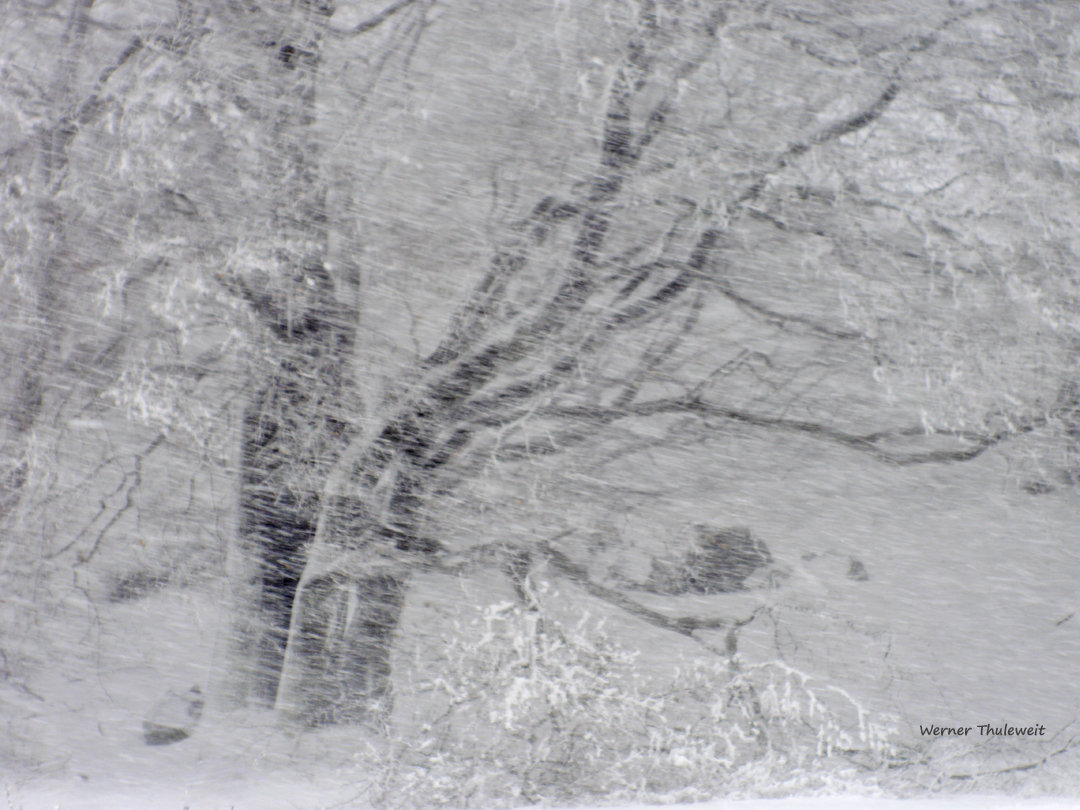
<point>350,597</point>
<point>277,527</point>
<point>342,647</point>
<point>295,424</point>
<point>292,432</point>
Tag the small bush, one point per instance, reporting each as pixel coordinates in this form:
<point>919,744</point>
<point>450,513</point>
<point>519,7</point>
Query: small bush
<point>531,711</point>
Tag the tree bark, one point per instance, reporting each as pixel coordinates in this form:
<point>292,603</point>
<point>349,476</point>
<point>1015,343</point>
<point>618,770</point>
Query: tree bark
<point>296,419</point>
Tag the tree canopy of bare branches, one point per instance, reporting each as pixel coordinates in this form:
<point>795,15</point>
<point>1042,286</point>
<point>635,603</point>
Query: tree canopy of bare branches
<point>383,247</point>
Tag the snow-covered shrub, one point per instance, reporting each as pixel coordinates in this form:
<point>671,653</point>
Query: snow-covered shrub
<point>740,730</point>
<point>533,711</point>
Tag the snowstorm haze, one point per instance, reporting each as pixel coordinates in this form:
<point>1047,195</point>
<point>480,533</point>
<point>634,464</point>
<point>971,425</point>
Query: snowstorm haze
<point>442,403</point>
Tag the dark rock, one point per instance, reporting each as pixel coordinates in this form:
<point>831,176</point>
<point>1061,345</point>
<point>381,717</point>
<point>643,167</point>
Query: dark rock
<point>1038,488</point>
<point>724,558</point>
<point>162,735</point>
<point>137,585</point>
<point>177,203</point>
<point>719,562</point>
<point>858,571</point>
<point>174,717</point>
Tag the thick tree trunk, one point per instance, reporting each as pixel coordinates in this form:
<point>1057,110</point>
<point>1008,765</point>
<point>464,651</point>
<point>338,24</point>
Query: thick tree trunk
<point>292,432</point>
<point>350,596</point>
<point>339,656</point>
<point>295,424</point>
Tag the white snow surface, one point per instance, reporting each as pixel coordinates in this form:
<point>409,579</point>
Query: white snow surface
<point>281,794</point>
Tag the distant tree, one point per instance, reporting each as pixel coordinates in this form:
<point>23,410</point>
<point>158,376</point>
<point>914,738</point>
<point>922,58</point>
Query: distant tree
<point>854,225</point>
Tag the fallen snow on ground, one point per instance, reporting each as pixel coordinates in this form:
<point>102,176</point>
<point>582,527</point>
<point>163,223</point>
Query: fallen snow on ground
<point>286,795</point>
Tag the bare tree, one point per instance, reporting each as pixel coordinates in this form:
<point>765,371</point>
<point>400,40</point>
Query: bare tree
<point>799,219</point>
<point>549,348</point>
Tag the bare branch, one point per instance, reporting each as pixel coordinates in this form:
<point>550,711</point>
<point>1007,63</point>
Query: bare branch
<point>865,442</point>
<point>856,122</point>
<point>783,319</point>
<point>683,625</point>
<point>1027,766</point>
<point>378,19</point>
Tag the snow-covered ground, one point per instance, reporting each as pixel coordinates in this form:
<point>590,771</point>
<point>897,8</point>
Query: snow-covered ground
<point>272,793</point>
<point>961,634</point>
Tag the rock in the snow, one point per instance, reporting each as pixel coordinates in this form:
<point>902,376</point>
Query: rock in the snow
<point>858,571</point>
<point>723,558</point>
<point>720,561</point>
<point>174,717</point>
<point>137,585</point>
